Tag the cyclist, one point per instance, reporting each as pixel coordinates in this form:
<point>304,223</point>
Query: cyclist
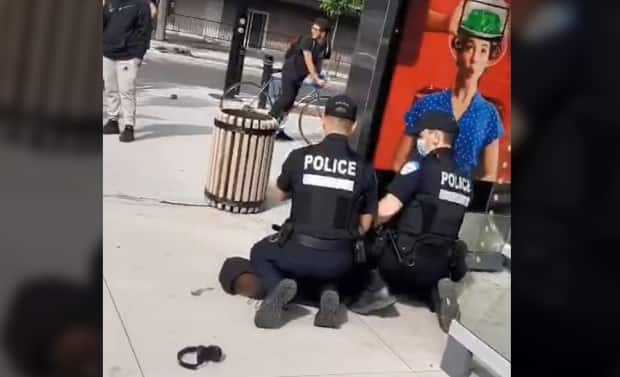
<point>304,59</point>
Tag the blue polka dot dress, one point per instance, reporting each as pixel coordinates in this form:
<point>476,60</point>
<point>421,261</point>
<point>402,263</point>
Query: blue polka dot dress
<point>479,125</point>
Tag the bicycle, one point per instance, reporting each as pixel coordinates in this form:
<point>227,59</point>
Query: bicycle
<point>248,95</point>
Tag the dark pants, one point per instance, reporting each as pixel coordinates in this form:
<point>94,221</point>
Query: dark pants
<point>284,103</point>
<point>432,263</point>
<point>309,267</point>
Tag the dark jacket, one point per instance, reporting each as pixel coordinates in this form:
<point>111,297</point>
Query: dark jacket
<point>126,29</point>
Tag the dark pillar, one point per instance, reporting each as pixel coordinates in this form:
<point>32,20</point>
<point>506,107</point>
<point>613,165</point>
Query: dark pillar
<point>267,72</point>
<point>237,49</point>
<point>374,57</point>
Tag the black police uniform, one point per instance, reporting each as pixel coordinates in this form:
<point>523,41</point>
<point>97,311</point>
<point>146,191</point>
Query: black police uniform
<point>295,71</point>
<point>330,186</point>
<point>419,251</point>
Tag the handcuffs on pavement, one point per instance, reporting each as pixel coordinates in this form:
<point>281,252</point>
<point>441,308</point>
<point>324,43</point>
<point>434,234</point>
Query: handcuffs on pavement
<point>203,354</point>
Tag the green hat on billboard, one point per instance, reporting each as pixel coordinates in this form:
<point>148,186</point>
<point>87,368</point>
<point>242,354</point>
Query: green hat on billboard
<point>484,20</point>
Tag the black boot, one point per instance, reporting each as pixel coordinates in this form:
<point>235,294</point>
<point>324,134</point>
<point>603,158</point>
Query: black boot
<point>444,302</point>
<point>459,262</point>
<point>375,297</point>
<point>327,316</point>
<point>111,128</point>
<point>269,314</point>
<point>127,135</point>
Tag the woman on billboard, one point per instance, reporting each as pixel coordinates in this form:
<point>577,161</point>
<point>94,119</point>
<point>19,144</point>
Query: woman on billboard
<point>477,45</point>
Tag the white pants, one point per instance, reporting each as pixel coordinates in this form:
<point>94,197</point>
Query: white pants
<point>119,78</point>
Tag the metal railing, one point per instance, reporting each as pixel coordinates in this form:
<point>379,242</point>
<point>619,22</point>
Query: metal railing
<point>216,30</point>
<point>201,27</point>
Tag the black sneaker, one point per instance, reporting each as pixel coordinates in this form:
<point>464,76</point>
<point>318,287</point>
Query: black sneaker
<point>445,303</point>
<point>459,268</point>
<point>269,314</point>
<point>111,128</point>
<point>375,297</point>
<point>327,316</point>
<point>282,136</point>
<point>127,135</point>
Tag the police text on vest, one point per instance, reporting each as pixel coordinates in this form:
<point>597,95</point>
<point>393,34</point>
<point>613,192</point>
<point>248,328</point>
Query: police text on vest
<point>330,165</point>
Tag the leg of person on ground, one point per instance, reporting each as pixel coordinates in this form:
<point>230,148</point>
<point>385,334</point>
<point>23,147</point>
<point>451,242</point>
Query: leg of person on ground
<point>112,97</point>
<point>127,71</point>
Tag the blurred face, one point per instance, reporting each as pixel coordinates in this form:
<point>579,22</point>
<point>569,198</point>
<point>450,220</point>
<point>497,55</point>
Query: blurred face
<point>428,140</point>
<point>247,285</point>
<point>473,58</point>
<point>317,32</point>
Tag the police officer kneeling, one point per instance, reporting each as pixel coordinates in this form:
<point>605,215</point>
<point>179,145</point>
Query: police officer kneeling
<point>334,196</point>
<point>418,252</point>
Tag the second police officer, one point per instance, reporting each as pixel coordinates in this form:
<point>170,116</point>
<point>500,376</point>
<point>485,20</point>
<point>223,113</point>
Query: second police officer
<point>417,252</point>
<point>334,197</point>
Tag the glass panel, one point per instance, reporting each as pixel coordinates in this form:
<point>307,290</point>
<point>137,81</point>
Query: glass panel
<point>485,298</point>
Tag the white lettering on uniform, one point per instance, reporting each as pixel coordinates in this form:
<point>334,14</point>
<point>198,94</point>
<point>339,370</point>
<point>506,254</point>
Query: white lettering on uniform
<point>352,168</point>
<point>455,182</point>
<point>307,161</point>
<point>342,167</point>
<point>319,163</point>
<point>325,164</point>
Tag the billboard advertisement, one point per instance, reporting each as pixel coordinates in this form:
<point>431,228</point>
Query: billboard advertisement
<point>457,53</point>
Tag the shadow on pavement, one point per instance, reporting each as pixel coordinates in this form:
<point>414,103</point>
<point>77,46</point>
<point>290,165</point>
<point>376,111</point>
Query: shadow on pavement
<point>389,312</point>
<point>294,312</point>
<point>153,131</point>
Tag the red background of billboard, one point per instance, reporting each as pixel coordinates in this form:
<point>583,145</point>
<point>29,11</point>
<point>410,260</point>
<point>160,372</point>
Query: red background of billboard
<point>435,66</point>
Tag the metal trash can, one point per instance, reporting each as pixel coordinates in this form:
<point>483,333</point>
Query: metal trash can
<point>241,154</point>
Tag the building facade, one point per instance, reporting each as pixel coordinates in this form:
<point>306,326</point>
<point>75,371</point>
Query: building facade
<point>272,24</point>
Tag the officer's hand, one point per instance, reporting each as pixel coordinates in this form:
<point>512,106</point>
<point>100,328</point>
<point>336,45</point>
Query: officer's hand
<point>321,83</point>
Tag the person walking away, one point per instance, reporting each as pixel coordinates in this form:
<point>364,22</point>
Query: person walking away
<point>126,36</point>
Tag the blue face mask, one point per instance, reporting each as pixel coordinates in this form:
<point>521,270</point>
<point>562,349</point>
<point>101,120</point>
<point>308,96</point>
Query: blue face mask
<point>421,147</point>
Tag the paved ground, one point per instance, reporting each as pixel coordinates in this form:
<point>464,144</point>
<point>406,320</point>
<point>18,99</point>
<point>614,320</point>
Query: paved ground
<point>156,253</point>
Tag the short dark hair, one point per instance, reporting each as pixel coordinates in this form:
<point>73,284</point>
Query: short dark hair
<point>460,41</point>
<point>448,138</point>
<point>322,23</point>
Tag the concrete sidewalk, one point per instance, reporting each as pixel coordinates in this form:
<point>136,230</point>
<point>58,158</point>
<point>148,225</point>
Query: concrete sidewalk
<point>161,242</point>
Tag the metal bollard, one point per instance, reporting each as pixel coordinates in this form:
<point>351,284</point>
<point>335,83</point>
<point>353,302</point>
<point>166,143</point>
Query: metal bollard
<point>267,72</point>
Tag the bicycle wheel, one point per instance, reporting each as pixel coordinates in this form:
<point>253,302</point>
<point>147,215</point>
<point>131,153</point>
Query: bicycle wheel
<point>310,119</point>
<point>245,95</point>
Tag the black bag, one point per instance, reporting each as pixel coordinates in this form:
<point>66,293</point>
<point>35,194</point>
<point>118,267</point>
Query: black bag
<point>292,48</point>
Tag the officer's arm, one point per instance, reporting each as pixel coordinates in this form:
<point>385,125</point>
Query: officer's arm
<point>284,183</point>
<point>283,195</point>
<point>365,223</point>
<point>490,161</point>
<point>389,206</point>
<point>400,190</point>
<point>370,198</point>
